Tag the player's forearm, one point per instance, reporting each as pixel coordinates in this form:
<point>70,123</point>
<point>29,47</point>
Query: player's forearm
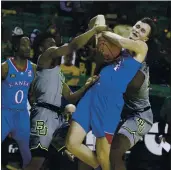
<point>83,39</point>
<point>112,37</point>
<point>74,97</point>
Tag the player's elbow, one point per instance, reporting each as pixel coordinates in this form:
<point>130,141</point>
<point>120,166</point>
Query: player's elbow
<point>70,98</point>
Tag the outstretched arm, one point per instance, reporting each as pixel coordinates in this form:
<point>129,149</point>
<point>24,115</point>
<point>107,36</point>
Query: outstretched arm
<point>52,53</point>
<point>70,96</point>
<point>139,47</point>
<point>77,42</point>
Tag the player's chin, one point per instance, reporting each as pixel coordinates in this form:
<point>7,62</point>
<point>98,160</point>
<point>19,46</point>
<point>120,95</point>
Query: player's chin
<point>27,56</point>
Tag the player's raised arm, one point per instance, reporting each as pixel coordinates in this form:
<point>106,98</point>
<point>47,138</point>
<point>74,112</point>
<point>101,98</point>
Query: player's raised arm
<point>139,47</point>
<point>78,42</point>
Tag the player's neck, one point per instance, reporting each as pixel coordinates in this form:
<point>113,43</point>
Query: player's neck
<point>20,61</point>
<point>20,64</point>
<point>19,58</point>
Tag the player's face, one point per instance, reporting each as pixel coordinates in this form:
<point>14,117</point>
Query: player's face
<point>140,31</point>
<point>49,42</point>
<point>24,49</point>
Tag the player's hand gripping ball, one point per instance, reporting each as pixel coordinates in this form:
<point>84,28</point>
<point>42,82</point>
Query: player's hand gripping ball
<point>97,20</point>
<point>100,28</point>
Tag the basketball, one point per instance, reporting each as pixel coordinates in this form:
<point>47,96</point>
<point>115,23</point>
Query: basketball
<point>109,50</point>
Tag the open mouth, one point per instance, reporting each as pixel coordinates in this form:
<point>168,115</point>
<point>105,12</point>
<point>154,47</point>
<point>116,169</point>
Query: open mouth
<point>135,35</point>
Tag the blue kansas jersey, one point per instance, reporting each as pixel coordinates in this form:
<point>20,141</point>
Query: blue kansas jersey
<point>16,85</point>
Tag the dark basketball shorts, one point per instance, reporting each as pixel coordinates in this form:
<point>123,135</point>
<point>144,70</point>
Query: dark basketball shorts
<point>134,128</point>
<point>44,123</point>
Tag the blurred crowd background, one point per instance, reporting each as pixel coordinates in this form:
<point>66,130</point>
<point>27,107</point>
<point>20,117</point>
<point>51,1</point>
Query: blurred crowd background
<point>67,19</point>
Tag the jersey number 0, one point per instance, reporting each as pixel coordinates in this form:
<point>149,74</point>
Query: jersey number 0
<point>19,96</point>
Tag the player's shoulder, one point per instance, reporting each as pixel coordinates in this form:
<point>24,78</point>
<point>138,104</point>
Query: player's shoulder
<point>4,70</point>
<point>143,45</point>
<point>46,54</point>
<point>4,64</point>
<point>144,67</point>
<point>33,64</point>
<point>141,50</point>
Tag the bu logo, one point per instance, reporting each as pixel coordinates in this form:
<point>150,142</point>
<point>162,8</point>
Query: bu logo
<point>29,73</point>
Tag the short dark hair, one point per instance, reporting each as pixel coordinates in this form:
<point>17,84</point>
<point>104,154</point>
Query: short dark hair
<point>153,26</point>
<point>39,40</point>
<point>16,42</point>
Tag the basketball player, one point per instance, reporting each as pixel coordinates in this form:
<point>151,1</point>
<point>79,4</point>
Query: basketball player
<point>63,158</point>
<point>137,117</point>
<point>137,109</point>
<point>101,106</point>
<point>138,125</point>
<point>49,86</point>
<point>137,114</point>
<point>17,74</point>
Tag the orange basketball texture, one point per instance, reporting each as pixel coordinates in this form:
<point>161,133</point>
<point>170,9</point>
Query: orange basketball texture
<point>108,49</point>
